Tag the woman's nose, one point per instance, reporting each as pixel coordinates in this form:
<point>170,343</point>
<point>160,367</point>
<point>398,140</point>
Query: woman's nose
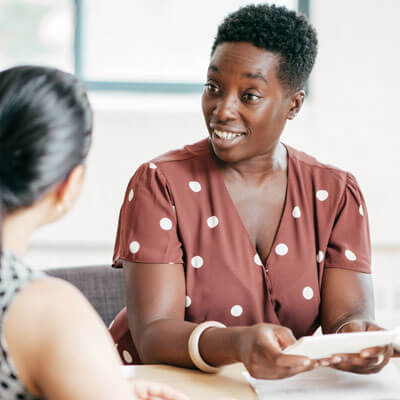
<point>226,109</point>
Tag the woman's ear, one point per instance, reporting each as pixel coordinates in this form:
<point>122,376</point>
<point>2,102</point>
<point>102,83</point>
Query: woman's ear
<point>68,191</point>
<point>297,100</point>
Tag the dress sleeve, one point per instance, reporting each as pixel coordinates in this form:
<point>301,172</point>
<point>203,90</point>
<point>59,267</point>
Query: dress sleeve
<point>349,245</point>
<point>147,228</point>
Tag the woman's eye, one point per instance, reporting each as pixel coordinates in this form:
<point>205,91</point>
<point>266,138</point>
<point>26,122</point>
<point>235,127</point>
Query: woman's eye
<point>211,88</point>
<point>250,97</point>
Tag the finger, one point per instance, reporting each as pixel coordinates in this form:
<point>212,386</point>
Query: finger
<point>396,352</point>
<point>147,390</point>
<point>373,351</point>
<point>297,370</point>
<point>291,361</point>
<point>354,369</point>
<point>165,393</point>
<point>357,370</point>
<point>336,359</point>
<point>140,390</point>
<point>347,360</point>
<point>273,340</point>
<point>353,326</point>
<point>364,362</point>
<point>373,366</point>
<point>348,364</point>
<point>372,327</point>
<point>377,351</point>
<point>273,350</point>
<point>324,362</point>
<point>272,347</point>
<point>285,336</point>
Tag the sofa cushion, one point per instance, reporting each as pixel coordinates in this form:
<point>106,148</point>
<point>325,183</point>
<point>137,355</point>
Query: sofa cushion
<point>102,285</point>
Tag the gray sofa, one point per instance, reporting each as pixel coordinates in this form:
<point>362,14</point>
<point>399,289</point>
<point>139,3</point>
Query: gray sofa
<point>102,285</point>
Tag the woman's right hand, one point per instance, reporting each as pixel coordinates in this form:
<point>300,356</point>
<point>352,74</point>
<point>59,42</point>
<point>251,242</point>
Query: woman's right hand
<point>260,349</point>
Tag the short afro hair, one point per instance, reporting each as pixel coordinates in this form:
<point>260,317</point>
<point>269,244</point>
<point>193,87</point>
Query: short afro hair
<point>278,30</point>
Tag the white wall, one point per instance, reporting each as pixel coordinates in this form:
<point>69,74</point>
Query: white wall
<point>350,120</point>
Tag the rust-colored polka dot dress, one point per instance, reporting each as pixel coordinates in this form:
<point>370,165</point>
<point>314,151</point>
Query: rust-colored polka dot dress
<point>177,210</point>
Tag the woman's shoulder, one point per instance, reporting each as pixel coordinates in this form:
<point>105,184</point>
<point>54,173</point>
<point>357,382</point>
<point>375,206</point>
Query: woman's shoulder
<point>186,153</point>
<point>176,165</point>
<point>310,167</point>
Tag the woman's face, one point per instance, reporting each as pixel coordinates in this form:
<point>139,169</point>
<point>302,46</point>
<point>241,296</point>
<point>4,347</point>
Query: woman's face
<point>244,104</point>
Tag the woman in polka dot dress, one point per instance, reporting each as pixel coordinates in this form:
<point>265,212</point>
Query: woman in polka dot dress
<point>52,343</point>
<point>242,229</point>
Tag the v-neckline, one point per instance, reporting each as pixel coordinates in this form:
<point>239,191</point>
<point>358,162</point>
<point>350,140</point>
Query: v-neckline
<point>235,210</point>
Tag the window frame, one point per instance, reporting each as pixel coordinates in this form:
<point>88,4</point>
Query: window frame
<point>135,86</point>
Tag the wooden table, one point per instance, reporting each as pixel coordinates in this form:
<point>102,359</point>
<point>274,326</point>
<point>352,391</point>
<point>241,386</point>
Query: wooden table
<point>228,383</point>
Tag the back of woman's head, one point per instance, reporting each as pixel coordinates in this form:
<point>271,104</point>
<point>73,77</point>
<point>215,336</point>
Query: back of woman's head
<point>45,131</point>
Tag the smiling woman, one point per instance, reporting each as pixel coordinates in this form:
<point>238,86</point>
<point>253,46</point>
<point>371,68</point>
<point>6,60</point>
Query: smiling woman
<point>260,237</point>
<point>245,102</point>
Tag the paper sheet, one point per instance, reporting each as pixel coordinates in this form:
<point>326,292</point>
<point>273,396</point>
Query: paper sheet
<point>329,384</point>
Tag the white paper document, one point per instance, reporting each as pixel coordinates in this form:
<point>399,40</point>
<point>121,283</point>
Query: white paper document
<point>321,346</point>
<point>330,384</point>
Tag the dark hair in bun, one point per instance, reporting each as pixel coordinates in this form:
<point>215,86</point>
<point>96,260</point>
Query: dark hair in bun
<point>45,131</point>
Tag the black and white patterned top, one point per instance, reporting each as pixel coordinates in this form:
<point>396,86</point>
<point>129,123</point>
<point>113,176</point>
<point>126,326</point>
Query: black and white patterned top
<point>14,276</point>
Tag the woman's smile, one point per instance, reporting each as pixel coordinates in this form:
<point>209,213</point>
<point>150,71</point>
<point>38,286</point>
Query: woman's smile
<point>226,139</point>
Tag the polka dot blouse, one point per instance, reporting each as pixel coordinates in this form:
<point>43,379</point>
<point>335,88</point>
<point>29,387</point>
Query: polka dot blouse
<point>177,209</point>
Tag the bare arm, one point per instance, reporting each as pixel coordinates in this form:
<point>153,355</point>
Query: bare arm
<point>345,296</point>
<point>347,305</point>
<point>60,347</point>
<point>156,308</point>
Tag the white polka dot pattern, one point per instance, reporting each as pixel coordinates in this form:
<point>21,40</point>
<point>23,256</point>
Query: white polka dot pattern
<point>296,212</point>
<point>281,249</point>
<point>350,255</point>
<point>197,262</point>
<point>236,311</point>
<point>212,222</point>
<point>127,357</point>
<point>152,166</point>
<point>322,195</point>
<point>320,256</point>
<point>166,224</point>
<point>361,210</point>
<point>308,293</point>
<point>188,302</point>
<point>195,186</point>
<point>134,247</point>
<point>257,260</point>
<point>130,197</point>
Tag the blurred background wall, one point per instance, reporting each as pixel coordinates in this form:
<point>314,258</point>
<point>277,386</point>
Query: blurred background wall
<point>349,119</point>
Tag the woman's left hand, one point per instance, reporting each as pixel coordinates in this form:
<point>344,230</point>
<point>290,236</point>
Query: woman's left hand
<point>368,361</point>
<point>145,390</point>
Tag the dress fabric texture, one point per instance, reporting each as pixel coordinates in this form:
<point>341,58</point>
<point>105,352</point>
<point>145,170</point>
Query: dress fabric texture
<point>178,210</point>
<point>14,276</point>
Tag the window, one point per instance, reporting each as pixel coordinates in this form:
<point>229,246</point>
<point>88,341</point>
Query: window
<point>37,32</point>
<point>150,46</point>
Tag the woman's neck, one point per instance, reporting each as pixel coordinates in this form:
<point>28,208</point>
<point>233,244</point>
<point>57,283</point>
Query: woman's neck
<point>17,230</point>
<point>259,167</point>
